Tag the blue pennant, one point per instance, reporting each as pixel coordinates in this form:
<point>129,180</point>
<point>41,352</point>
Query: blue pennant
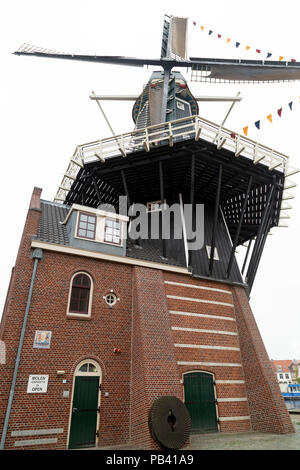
<point>257,123</point>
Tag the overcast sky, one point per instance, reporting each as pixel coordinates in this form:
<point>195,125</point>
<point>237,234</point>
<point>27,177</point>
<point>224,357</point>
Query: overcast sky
<point>45,111</point>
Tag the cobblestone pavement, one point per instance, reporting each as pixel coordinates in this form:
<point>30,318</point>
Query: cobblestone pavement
<point>241,441</point>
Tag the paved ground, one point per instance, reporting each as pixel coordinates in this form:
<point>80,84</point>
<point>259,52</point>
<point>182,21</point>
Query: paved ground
<point>241,441</point>
<point>248,440</point>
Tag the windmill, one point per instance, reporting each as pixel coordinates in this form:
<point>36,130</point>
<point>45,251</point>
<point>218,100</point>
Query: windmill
<point>249,191</point>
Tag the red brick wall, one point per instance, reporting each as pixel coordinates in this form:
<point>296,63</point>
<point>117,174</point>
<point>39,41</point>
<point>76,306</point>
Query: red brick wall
<point>207,319</point>
<point>14,309</point>
<point>154,371</point>
<point>267,407</point>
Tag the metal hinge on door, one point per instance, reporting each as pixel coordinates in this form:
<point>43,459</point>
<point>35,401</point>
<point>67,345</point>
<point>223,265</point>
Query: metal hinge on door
<point>97,433</point>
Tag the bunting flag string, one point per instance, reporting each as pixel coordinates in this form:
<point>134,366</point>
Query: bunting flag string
<point>237,44</point>
<point>269,117</point>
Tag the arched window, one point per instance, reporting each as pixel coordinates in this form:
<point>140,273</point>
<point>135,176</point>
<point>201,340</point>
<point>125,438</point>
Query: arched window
<point>80,295</point>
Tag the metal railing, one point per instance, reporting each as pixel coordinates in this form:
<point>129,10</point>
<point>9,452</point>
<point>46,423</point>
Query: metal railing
<point>192,127</point>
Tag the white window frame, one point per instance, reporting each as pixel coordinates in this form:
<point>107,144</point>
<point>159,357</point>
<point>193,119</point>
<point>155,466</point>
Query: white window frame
<point>81,315</point>
<point>121,232</point>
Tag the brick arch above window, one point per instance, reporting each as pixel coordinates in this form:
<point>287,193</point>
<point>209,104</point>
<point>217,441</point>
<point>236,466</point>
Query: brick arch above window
<point>80,295</point>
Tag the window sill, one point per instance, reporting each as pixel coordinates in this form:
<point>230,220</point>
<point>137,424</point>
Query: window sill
<point>73,316</point>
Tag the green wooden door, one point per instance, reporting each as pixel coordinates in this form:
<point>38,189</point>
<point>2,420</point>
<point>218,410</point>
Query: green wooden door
<point>200,401</point>
<point>84,412</point>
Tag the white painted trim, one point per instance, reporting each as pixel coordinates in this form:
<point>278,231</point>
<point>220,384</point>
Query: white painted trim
<point>191,314</point>
<point>198,330</point>
<point>225,400</point>
<point>94,211</point>
<point>202,346</point>
<point>234,418</point>
<point>103,256</point>
<point>229,382</point>
<point>214,289</point>
<point>191,299</point>
<point>213,364</point>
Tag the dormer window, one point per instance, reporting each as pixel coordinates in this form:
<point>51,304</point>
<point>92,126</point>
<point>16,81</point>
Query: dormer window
<point>112,231</point>
<point>86,226</point>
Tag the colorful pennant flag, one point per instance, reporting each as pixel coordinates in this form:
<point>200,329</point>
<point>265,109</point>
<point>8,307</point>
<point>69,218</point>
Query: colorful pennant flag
<point>257,123</point>
<point>279,112</point>
<point>247,47</point>
<point>291,105</point>
<point>233,135</point>
<point>270,118</point>
<point>245,130</point>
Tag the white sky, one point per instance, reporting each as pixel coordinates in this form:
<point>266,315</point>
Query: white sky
<point>45,111</point>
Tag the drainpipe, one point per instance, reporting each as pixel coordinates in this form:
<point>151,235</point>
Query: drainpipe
<point>36,255</point>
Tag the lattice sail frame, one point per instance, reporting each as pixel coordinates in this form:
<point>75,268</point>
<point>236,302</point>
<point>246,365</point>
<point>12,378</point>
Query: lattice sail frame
<point>168,133</point>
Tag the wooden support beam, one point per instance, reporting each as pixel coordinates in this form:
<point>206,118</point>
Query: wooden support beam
<point>97,190</point>
<point>162,199</point>
<point>192,202</point>
<point>238,230</point>
<point>260,235</point>
<point>216,212</point>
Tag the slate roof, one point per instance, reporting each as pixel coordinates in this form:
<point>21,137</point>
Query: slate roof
<point>51,229</point>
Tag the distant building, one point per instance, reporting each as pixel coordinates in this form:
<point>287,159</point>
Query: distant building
<point>282,371</point>
<point>287,374</point>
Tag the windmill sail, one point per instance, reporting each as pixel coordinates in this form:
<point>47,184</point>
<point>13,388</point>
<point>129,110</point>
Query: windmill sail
<point>243,70</point>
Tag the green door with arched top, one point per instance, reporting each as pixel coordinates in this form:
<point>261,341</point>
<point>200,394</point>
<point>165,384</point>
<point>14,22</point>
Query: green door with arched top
<point>199,398</point>
<point>84,412</point>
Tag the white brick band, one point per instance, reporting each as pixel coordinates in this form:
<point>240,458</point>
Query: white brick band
<point>223,400</point>
<point>229,382</point>
<point>192,299</point>
<point>198,330</point>
<point>213,364</point>
<point>37,432</point>
<point>234,418</point>
<point>181,284</point>
<point>203,315</point>
<point>202,346</point>
<point>35,442</point>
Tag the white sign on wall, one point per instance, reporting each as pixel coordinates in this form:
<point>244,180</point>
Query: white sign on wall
<point>37,384</point>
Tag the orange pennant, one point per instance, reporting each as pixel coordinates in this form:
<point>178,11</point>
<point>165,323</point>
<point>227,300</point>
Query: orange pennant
<point>247,48</point>
<point>228,40</point>
<point>280,58</point>
<point>202,27</point>
<point>245,129</point>
<point>270,117</point>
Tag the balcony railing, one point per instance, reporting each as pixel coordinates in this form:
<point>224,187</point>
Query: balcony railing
<point>192,127</point>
